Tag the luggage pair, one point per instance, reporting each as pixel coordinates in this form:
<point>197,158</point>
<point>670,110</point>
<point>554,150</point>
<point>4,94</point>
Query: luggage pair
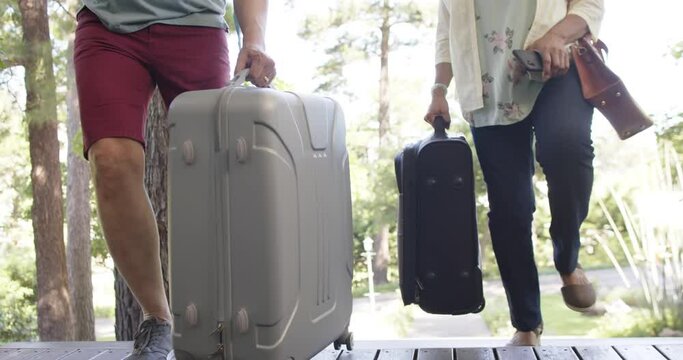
<point>260,224</point>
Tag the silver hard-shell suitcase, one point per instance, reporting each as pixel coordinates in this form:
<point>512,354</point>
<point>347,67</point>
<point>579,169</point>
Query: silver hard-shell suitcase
<point>260,224</point>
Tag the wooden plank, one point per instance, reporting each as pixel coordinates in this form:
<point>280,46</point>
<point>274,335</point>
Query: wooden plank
<point>396,354</point>
<point>673,352</point>
<point>327,354</point>
<point>555,353</point>
<point>19,354</point>
<point>516,353</point>
<point>638,352</point>
<point>435,354</point>
<point>83,354</point>
<point>474,354</point>
<point>112,354</point>
<point>364,354</point>
<point>597,353</point>
<point>70,345</point>
<point>52,354</point>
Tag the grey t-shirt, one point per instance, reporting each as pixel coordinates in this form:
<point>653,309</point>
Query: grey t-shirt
<point>509,95</point>
<point>126,16</point>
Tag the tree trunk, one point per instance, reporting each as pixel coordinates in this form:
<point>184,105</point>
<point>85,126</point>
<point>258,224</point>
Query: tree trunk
<point>79,256</point>
<point>54,308</point>
<point>380,263</point>
<point>383,116</point>
<point>381,244</point>
<point>128,312</point>
<point>156,174</point>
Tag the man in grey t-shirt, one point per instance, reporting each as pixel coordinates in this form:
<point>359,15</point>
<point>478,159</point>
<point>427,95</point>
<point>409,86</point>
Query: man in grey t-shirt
<point>123,50</point>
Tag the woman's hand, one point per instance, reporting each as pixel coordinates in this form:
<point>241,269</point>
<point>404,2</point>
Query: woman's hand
<point>438,107</point>
<point>555,54</point>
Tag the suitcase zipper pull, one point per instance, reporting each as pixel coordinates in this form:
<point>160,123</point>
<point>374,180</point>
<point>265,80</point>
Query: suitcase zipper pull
<point>219,330</point>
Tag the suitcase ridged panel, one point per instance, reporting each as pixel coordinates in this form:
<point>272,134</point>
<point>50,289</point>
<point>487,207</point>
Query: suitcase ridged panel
<point>288,204</point>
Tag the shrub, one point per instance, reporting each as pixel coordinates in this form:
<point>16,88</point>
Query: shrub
<point>18,313</point>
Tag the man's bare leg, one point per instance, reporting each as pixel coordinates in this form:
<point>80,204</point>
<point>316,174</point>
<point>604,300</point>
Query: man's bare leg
<point>128,222</point>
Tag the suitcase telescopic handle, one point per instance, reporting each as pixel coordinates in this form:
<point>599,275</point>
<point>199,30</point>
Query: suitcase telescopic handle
<point>439,125</point>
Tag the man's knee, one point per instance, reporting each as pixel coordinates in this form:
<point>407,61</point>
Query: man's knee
<point>115,163</point>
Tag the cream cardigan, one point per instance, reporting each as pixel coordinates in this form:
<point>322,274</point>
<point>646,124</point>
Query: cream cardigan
<point>456,38</point>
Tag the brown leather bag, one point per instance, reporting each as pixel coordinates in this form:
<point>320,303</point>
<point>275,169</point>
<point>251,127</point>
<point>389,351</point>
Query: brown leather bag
<point>605,90</point>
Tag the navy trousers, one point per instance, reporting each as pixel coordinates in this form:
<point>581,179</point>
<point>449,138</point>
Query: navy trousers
<point>561,123</point>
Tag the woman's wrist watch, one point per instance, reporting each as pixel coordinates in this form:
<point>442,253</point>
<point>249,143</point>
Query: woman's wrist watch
<point>439,86</point>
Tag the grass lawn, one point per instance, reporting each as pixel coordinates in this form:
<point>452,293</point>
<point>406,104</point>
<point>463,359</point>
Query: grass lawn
<point>557,318</point>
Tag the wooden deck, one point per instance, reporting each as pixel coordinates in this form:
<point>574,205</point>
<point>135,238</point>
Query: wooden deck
<point>436,349</point>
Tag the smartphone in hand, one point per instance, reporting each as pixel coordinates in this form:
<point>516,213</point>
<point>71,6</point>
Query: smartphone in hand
<point>532,60</point>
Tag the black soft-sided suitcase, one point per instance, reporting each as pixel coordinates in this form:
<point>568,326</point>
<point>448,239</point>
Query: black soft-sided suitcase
<point>438,247</point>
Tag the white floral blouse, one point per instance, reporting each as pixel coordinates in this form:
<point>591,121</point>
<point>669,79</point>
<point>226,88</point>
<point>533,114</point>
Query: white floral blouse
<point>508,93</point>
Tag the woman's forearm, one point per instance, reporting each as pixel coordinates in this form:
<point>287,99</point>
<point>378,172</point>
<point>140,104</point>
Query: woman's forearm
<point>444,74</point>
<point>570,29</point>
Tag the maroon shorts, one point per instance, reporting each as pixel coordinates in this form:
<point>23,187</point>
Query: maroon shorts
<point>116,73</point>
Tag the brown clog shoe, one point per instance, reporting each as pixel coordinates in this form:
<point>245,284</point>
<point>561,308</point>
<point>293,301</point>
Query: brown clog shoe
<point>579,297</point>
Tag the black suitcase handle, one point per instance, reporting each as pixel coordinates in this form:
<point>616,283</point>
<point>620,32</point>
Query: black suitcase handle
<point>439,125</point>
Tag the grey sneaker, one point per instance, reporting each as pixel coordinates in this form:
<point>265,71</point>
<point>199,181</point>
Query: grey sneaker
<point>153,341</point>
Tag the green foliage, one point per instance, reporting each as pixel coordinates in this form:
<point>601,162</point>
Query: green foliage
<point>15,171</point>
<point>677,50</point>
<point>230,16</point>
<point>671,128</point>
<point>18,319</point>
<point>636,323</point>
<point>640,321</point>
<point>352,31</point>
<point>105,312</point>
<point>18,314</point>
<point>652,238</point>
<point>375,200</point>
<point>672,131</point>
<point>99,249</point>
<point>400,319</point>
<point>10,34</point>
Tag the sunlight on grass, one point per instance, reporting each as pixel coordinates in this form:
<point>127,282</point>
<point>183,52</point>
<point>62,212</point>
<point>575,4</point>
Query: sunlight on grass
<point>558,320</point>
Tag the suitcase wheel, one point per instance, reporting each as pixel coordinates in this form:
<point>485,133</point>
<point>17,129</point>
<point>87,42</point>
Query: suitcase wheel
<point>345,339</point>
<point>481,307</point>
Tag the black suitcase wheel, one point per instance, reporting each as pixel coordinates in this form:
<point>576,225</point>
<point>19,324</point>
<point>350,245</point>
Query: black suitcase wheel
<point>481,307</point>
<point>344,339</point>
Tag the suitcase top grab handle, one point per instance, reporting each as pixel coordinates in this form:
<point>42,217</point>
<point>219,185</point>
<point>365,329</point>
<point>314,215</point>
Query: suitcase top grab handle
<point>240,78</point>
<point>439,125</point>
